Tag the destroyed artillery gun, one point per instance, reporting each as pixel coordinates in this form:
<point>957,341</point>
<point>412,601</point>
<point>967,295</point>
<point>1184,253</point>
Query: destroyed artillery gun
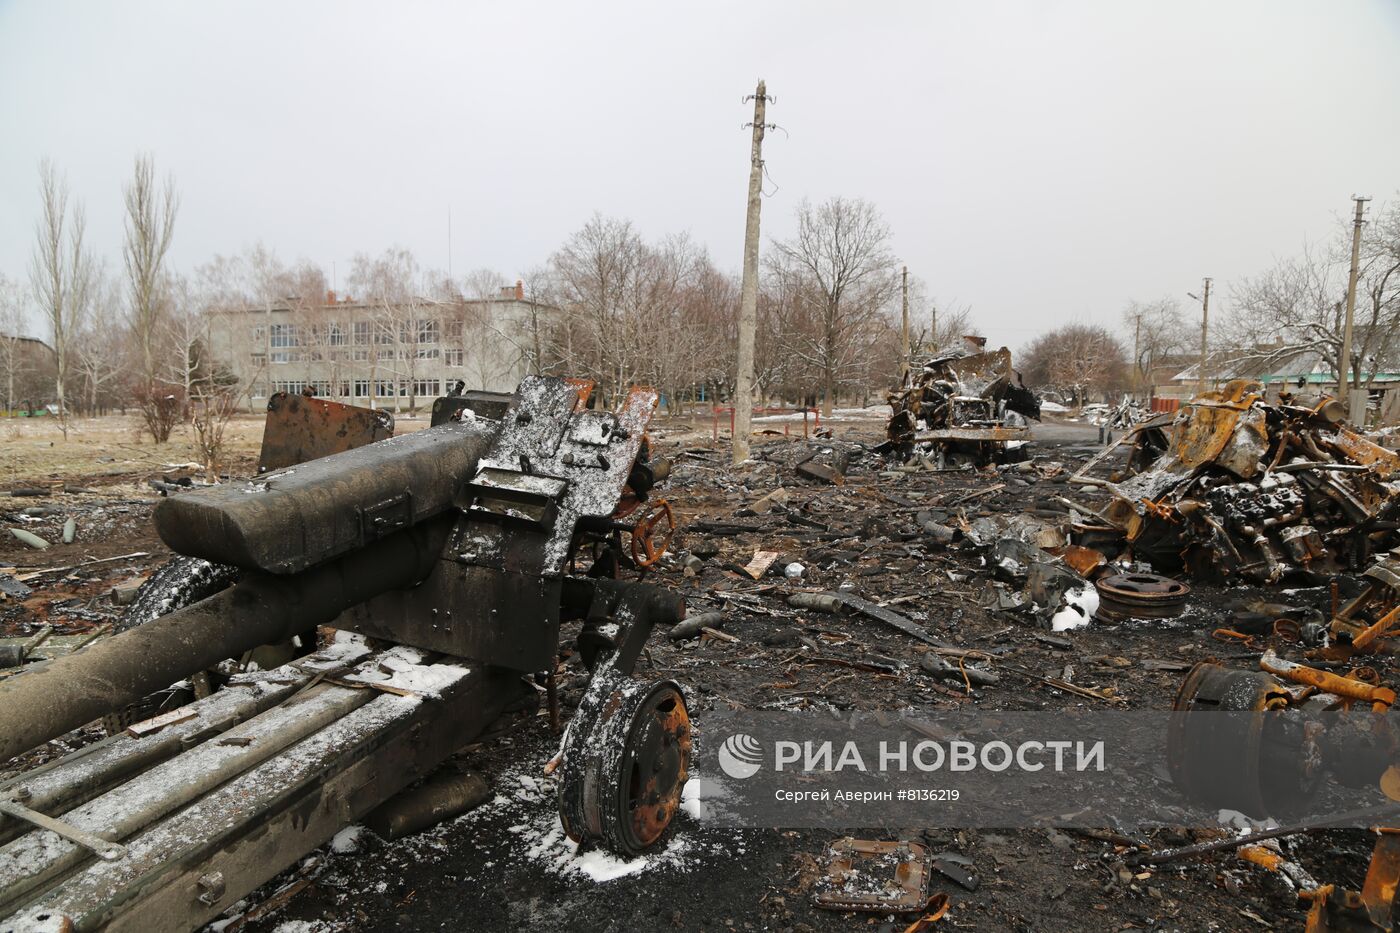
<point>452,550</point>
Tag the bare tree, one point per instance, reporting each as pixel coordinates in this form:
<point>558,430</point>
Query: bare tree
<point>1298,305</point>
<point>933,324</point>
<point>1158,330</point>
<point>13,361</point>
<point>596,275</point>
<point>482,284</point>
<point>60,272</point>
<point>150,226</point>
<point>186,335</point>
<point>212,407</point>
<point>399,320</point>
<point>841,272</point>
<point>1078,359</point>
<point>99,350</point>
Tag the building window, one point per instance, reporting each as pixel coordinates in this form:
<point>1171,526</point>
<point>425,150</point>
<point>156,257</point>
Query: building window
<point>452,330</point>
<point>383,388</point>
<point>361,388</point>
<point>259,335</point>
<point>427,353</point>
<point>291,387</point>
<point>258,359</point>
<point>453,356</point>
<point>284,335</point>
<point>384,334</point>
<point>362,329</point>
<point>427,387</point>
<point>427,331</point>
<point>360,354</point>
<point>335,335</point>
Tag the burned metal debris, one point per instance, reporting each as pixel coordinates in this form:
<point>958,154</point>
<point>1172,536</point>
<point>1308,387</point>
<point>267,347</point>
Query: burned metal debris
<point>1231,486</point>
<point>870,875</point>
<point>964,406</point>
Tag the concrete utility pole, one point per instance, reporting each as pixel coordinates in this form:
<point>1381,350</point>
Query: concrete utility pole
<point>904,330</point>
<point>748,292</point>
<point>1344,357</point>
<point>1205,335</point>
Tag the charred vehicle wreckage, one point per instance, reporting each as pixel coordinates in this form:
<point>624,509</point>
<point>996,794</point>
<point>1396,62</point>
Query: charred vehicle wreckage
<point>455,553</point>
<point>965,405</point>
<point>1235,489</point>
<point>1232,487</point>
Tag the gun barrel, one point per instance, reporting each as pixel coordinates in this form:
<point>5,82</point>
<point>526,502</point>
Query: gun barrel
<point>289,521</point>
<point>71,691</point>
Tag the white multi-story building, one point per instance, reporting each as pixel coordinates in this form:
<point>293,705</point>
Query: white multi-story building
<point>382,355</point>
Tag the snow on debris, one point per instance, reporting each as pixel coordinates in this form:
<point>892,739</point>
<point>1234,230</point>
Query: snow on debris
<point>403,668</point>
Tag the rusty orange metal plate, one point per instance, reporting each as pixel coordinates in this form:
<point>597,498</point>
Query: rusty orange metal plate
<point>1360,450</point>
<point>1209,422</point>
<point>300,429</point>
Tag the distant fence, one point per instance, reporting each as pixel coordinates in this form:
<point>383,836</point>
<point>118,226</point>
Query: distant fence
<point>812,413</point>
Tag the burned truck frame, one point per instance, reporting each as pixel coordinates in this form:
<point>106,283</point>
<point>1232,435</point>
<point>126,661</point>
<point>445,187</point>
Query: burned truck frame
<point>454,550</point>
<point>962,406</point>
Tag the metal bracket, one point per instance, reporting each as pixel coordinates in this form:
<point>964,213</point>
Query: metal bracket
<point>104,848</point>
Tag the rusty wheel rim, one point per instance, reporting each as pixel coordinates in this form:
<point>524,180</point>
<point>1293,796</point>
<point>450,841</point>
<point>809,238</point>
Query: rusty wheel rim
<point>654,766</point>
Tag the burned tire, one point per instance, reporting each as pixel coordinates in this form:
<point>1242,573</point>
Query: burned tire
<point>179,582</point>
<point>625,765</point>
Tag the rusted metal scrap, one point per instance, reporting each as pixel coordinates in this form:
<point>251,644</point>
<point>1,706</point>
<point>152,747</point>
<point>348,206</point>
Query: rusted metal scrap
<point>871,875</point>
<point>1231,486</point>
<point>1369,623</point>
<point>301,428</point>
<point>962,405</point>
<point>1272,763</point>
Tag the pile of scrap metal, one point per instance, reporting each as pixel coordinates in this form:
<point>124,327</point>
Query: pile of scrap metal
<point>1269,744</point>
<point>962,405</point>
<point>1230,486</point>
<point>1292,738</point>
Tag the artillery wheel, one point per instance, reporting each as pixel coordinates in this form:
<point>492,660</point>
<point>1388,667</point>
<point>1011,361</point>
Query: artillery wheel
<point>179,582</point>
<point>625,764</point>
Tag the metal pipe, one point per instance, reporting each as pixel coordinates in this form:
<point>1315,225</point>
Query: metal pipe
<point>68,692</point>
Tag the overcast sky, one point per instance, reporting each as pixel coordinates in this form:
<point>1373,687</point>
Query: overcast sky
<point>1039,161</point>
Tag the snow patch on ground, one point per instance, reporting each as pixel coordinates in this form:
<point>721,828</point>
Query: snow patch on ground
<point>348,839</point>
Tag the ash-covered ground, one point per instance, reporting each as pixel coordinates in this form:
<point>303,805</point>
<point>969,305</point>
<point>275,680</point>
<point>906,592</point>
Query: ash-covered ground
<point>507,865</point>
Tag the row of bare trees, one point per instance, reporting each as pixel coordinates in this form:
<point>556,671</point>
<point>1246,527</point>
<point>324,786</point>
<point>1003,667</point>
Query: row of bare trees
<point>113,339</point>
<point>609,304</point>
<point>1079,361</point>
<point>663,313</point>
